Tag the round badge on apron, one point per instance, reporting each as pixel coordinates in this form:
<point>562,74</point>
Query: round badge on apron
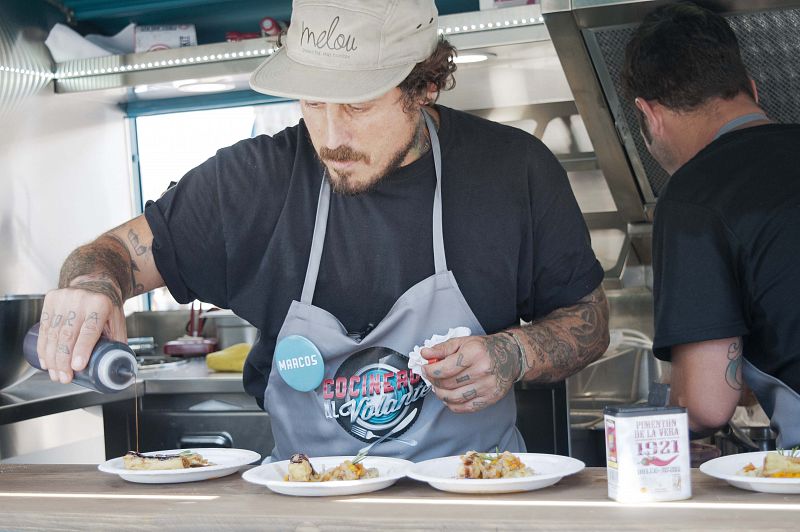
<point>299,362</point>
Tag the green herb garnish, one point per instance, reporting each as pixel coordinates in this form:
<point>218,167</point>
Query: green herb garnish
<point>794,452</point>
<point>487,457</point>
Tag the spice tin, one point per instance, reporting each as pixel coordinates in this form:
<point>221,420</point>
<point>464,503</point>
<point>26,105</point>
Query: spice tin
<point>647,453</point>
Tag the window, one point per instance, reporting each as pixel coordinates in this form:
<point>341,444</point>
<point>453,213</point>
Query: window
<point>170,145</point>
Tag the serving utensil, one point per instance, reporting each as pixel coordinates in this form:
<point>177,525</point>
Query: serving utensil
<point>362,453</point>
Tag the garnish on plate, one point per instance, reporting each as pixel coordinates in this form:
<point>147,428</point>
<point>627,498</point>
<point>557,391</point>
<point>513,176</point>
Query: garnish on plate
<point>301,470</point>
<point>783,463</point>
<point>487,465</point>
<point>156,462</point>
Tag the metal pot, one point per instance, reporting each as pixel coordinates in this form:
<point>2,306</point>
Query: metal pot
<point>231,329</point>
<point>18,313</point>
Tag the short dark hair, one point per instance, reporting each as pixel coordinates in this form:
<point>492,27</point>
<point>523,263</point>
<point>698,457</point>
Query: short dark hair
<point>437,69</point>
<point>681,56</point>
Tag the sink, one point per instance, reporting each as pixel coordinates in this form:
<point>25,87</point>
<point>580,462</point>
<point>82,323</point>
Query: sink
<point>597,403</point>
<point>584,419</point>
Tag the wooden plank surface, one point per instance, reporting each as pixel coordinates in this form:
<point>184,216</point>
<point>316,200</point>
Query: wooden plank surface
<point>69,497</point>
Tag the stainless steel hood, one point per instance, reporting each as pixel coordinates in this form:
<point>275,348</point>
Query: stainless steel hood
<point>590,38</point>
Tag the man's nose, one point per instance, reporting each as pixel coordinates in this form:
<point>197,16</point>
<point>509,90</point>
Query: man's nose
<point>337,126</point>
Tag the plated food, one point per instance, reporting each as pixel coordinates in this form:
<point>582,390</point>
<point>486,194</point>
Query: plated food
<point>764,471</point>
<point>277,478</point>
<point>154,462</point>
<point>777,464</point>
<point>179,465</point>
<point>301,470</point>
<point>498,465</point>
<point>506,472</point>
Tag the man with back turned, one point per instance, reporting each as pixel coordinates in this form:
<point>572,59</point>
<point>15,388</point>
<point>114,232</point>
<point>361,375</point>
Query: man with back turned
<point>727,226</point>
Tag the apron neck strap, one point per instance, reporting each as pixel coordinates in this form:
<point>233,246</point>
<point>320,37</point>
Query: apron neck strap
<point>318,240</point>
<point>738,122</point>
<point>321,221</point>
<point>439,261</point>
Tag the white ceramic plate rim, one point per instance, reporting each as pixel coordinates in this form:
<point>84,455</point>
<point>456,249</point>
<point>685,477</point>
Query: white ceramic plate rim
<point>237,458</point>
<point>571,466</point>
<point>254,475</point>
<point>716,468</point>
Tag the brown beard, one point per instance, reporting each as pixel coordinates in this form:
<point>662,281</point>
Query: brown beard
<point>342,183</point>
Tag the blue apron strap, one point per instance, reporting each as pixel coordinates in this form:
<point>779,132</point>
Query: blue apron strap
<point>738,122</point>
<point>318,240</point>
<point>439,260</point>
<point>780,402</point>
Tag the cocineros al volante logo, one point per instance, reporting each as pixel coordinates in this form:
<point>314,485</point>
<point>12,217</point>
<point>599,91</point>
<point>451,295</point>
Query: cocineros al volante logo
<point>372,392</point>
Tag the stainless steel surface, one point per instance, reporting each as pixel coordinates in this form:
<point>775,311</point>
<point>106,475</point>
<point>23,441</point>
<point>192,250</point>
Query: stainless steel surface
<point>590,37</point>
<point>733,439</point>
<point>25,64</point>
<point>162,326</point>
<point>587,92</point>
<point>232,329</point>
<point>70,437</point>
<point>233,61</point>
<point>622,376</point>
<point>151,363</point>
<point>17,315</point>
<point>39,396</point>
<point>613,379</point>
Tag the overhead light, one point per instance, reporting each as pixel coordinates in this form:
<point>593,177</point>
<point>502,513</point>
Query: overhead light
<point>193,85</point>
<point>207,87</point>
<point>462,59</point>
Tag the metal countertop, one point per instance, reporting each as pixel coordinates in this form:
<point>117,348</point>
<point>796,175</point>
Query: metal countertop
<point>39,396</point>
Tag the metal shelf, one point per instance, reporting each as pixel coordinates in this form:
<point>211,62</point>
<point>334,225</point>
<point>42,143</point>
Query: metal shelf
<point>208,60</point>
<point>464,30</point>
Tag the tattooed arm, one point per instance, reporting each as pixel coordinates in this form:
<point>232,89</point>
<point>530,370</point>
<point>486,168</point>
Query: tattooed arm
<point>477,371</point>
<point>95,281</point>
<point>707,380</point>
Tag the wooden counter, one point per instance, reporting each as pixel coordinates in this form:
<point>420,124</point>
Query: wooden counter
<point>40,497</point>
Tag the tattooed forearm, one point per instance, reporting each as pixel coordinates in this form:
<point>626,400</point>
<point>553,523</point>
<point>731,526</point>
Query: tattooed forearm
<point>566,340</point>
<point>99,267</point>
<point>504,355</point>
<point>104,256</point>
<point>106,266</point>
<point>106,287</point>
<point>138,247</point>
<point>733,374</point>
<point>135,288</point>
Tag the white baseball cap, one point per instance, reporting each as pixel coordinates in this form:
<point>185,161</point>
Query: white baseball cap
<point>348,51</point>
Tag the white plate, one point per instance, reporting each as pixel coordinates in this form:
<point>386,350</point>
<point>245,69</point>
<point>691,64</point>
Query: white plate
<point>727,468</point>
<point>272,475</point>
<point>226,461</point>
<point>547,468</point>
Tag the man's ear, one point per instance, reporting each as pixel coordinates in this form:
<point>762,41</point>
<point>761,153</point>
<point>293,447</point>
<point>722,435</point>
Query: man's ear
<point>431,94</point>
<point>653,113</point>
<point>754,89</point>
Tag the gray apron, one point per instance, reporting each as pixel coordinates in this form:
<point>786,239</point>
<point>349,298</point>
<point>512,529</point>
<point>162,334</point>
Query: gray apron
<point>367,389</point>
<point>780,402</point>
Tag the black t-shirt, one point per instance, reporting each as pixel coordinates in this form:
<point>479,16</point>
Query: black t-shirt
<point>236,232</point>
<point>726,249</point>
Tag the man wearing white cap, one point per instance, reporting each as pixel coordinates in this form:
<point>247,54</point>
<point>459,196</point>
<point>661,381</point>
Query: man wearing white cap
<point>377,223</point>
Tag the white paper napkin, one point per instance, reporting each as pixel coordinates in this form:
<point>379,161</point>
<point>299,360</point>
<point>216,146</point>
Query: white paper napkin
<point>416,360</point>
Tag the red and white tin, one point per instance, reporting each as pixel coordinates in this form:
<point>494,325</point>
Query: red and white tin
<point>647,453</point>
